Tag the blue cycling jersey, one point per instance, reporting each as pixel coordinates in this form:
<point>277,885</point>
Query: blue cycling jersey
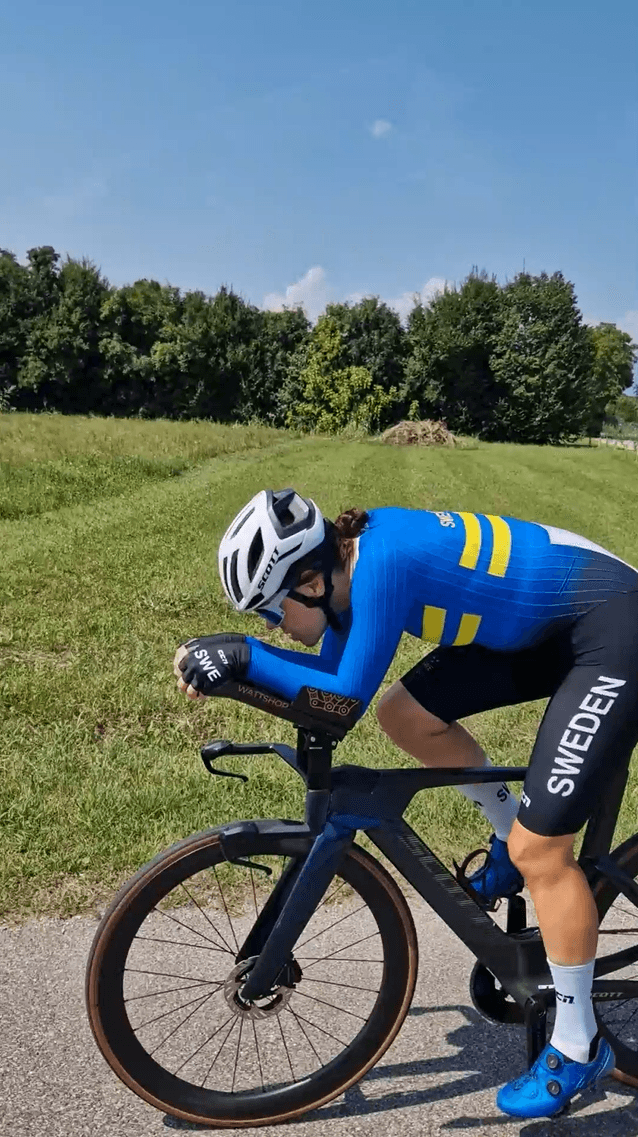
<point>448,578</point>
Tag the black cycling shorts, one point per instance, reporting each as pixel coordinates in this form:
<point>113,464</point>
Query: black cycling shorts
<point>588,670</point>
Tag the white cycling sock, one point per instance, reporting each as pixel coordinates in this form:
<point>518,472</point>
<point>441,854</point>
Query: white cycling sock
<point>496,802</point>
<point>575,1025</point>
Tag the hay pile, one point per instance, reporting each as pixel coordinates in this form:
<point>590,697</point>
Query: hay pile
<point>424,433</point>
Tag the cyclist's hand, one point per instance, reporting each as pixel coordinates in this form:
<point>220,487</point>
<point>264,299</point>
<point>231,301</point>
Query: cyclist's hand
<point>208,662</point>
<point>181,654</point>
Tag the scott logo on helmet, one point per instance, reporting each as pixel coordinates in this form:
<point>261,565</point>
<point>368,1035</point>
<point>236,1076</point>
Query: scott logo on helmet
<point>269,567</point>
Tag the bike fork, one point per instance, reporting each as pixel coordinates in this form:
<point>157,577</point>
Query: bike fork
<point>304,897</point>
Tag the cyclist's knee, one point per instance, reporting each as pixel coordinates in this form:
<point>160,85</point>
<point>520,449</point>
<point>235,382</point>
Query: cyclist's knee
<point>534,854</point>
<point>399,714</point>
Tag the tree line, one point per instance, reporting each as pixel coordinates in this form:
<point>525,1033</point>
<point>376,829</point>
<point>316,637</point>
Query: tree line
<point>504,363</point>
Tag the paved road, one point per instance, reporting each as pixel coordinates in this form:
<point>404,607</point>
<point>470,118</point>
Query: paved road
<point>439,1077</point>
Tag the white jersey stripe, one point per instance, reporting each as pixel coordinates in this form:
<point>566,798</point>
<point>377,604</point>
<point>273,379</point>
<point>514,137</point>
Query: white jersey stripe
<point>564,537</point>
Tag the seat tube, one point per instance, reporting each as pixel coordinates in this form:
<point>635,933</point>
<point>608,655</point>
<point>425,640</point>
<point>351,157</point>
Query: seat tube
<point>305,896</point>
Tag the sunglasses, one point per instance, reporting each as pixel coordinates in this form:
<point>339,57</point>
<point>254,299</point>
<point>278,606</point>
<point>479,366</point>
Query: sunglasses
<point>274,613</point>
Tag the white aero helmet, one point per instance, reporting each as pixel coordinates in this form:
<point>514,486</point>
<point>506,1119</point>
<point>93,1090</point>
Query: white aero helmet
<point>261,545</point>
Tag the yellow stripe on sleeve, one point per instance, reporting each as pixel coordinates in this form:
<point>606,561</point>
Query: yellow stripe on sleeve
<point>470,555</point>
<point>502,546</point>
<point>468,628</point>
<point>433,622</point>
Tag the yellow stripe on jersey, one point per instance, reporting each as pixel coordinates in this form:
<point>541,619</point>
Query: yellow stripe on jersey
<point>468,628</point>
<point>470,555</point>
<point>502,546</point>
<point>433,622</point>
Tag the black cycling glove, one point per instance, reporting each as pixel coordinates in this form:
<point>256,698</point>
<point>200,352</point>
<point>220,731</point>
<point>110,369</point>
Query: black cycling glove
<point>213,661</point>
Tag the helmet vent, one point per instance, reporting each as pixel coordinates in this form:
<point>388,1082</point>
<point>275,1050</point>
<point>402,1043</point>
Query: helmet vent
<point>234,579</point>
<point>225,568</point>
<point>242,522</point>
<point>255,554</point>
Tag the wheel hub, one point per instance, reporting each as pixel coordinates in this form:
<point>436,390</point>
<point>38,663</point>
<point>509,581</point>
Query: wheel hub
<point>265,1007</point>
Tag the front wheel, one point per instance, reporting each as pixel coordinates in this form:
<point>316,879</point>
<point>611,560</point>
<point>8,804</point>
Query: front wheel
<point>163,984</point>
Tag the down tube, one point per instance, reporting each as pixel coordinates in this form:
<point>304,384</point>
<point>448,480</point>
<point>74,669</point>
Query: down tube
<point>425,872</point>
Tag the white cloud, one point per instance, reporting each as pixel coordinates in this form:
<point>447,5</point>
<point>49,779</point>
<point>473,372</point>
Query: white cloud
<point>380,127</point>
<point>313,293</point>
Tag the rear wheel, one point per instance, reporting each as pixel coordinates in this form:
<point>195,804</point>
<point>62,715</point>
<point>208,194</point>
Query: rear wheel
<point>618,929</point>
<point>163,983</point>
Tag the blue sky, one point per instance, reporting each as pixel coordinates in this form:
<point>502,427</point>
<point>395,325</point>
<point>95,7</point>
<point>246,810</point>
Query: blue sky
<point>313,153</point>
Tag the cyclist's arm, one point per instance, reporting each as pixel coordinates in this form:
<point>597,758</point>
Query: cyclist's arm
<point>379,610</point>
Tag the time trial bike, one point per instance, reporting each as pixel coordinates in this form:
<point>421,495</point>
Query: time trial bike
<point>259,969</point>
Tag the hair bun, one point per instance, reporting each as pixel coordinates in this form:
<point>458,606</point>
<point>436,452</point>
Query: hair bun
<point>350,524</point>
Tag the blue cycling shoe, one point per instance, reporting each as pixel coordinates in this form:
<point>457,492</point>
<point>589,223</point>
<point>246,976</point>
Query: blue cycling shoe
<point>498,877</point>
<point>548,1087</point>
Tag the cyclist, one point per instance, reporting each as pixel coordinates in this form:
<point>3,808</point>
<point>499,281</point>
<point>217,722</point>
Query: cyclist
<point>520,611</point>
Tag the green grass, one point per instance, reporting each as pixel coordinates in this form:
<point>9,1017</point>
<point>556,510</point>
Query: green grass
<point>48,461</point>
<point>99,765</point>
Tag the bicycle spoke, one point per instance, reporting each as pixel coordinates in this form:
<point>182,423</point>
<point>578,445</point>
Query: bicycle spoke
<point>171,975</point>
<point>222,1045</point>
<point>223,899</point>
<point>350,986</point>
<point>177,943</point>
<point>317,1027</point>
<point>241,1028</point>
<point>165,1014</point>
<point>207,918</point>
<point>204,1043</point>
<point>261,1072</point>
<point>168,991</point>
<point>189,1016</point>
<point>305,1034</point>
<point>321,958</point>
<point>188,928</point>
<point>331,926</point>
<point>342,1010</point>
<point>281,1029</point>
<point>331,895</point>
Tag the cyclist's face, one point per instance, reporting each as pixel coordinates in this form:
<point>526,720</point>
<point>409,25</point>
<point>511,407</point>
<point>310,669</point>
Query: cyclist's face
<point>305,625</point>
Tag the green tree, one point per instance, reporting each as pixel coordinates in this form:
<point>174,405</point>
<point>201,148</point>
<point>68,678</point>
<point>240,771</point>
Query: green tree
<point>335,398</point>
<point>541,362</point>
<point>278,350</point>
<point>372,337</point>
<point>15,312</point>
<point>450,341</point>
<point>611,373</point>
<point>132,319</point>
<point>623,409</point>
<point>62,364</point>
<point>207,363</point>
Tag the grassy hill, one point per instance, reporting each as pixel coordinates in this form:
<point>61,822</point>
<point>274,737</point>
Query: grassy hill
<point>109,537</point>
